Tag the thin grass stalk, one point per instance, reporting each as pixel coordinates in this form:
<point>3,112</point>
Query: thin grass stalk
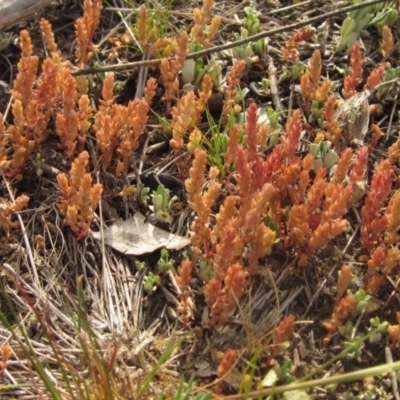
<point>356,343</point>
<point>333,380</point>
<point>27,347</point>
<point>104,374</point>
<point>164,357</point>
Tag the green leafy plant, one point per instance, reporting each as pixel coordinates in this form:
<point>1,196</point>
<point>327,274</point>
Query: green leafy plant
<point>194,69</point>
<point>251,23</point>
<point>151,282</point>
<point>143,192</point>
<point>377,328</point>
<point>387,81</point>
<point>272,117</point>
<point>387,15</point>
<point>140,265</point>
<point>364,302</point>
<point>252,26</point>
<point>162,204</point>
<point>376,15</point>
<point>244,51</point>
<point>165,263</point>
<point>323,154</point>
<point>193,72</point>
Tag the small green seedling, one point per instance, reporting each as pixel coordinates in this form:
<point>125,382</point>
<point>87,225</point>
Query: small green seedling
<point>252,26</point>
<point>194,70</point>
<point>244,51</point>
<point>390,75</point>
<point>265,86</point>
<point>162,204</point>
<point>206,270</point>
<point>143,192</point>
<point>140,265</point>
<point>324,156</point>
<point>164,264</point>
<point>355,351</point>
<point>364,302</point>
<point>251,23</point>
<point>150,282</point>
<point>376,329</point>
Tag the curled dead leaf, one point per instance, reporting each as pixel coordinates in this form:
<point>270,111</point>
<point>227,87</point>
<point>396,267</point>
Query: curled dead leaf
<point>136,236</point>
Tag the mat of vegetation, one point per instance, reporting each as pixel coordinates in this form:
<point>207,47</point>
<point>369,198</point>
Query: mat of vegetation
<point>200,200</point>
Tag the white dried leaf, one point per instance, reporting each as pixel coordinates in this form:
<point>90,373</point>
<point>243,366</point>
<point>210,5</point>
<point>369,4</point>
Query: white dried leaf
<point>135,236</point>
